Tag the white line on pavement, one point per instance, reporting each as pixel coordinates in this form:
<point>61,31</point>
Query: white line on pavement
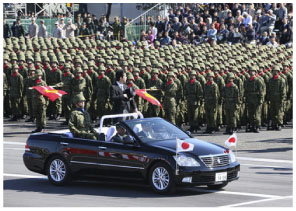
<point>258,201</point>
<point>24,176</point>
<point>238,193</point>
<point>264,160</point>
<point>247,164</point>
<point>20,149</point>
<point>14,143</point>
<point>198,189</point>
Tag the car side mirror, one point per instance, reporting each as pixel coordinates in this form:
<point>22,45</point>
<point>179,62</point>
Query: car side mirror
<point>188,132</point>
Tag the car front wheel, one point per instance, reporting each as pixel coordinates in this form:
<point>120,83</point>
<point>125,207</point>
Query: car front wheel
<point>162,178</point>
<point>58,171</point>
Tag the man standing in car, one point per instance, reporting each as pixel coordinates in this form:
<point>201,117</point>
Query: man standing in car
<point>121,96</point>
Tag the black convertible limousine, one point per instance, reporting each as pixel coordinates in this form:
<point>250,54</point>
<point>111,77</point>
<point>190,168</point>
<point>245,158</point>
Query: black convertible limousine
<point>148,154</point>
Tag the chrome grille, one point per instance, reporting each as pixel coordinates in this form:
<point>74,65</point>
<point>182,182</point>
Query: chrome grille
<point>213,161</point>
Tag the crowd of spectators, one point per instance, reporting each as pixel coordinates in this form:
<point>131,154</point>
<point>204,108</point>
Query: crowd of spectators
<point>266,24</point>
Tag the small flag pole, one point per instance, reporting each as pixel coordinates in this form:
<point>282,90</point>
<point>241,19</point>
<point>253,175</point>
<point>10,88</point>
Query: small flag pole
<point>235,145</point>
<point>177,171</point>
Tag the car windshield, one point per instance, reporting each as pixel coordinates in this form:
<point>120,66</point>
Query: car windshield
<point>155,129</point>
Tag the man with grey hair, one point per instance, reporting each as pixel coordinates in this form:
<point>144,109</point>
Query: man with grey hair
<point>42,30</point>
<point>268,22</point>
<point>69,29</point>
<point>57,33</point>
<point>33,29</point>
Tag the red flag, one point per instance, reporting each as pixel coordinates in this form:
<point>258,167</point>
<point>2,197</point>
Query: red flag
<point>142,93</point>
<point>50,92</point>
<point>231,141</point>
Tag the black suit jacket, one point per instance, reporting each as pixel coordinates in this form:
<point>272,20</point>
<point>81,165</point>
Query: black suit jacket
<point>120,103</point>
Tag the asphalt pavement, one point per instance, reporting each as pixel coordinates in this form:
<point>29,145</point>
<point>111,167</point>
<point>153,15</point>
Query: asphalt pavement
<point>266,177</point>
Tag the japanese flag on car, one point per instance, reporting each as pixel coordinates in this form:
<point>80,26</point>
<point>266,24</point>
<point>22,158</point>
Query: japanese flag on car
<point>231,141</point>
<point>183,146</point>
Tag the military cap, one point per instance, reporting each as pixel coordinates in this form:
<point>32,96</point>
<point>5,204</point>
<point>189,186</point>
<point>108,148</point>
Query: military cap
<point>130,76</point>
<point>192,72</point>
<point>124,63</point>
<point>31,68</point>
<point>230,75</point>
<point>171,73</point>
<point>276,68</point>
<point>78,98</point>
<point>216,67</point>
<point>67,66</point>
<point>210,74</point>
<point>136,70</point>
<point>253,68</point>
<point>102,68</point>
<point>78,70</point>
<point>155,71</point>
<point>15,66</point>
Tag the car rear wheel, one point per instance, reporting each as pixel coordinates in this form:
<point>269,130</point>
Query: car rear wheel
<point>217,187</point>
<point>161,178</point>
<point>58,171</point>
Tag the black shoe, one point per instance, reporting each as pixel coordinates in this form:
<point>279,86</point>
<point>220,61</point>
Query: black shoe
<point>23,116</point>
<point>37,130</point>
<point>6,115</point>
<point>51,117</point>
<point>30,120</point>
<point>65,123</point>
<point>278,128</point>
<point>13,118</point>
<point>57,117</point>
<point>257,130</point>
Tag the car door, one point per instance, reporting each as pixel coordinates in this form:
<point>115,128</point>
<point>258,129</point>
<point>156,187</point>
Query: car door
<point>122,159</point>
<point>81,153</point>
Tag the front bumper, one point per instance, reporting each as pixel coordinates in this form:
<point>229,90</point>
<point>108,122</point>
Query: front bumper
<point>207,177</point>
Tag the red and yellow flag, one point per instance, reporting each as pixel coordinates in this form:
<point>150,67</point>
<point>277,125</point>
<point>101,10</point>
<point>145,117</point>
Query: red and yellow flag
<point>142,93</point>
<point>50,92</point>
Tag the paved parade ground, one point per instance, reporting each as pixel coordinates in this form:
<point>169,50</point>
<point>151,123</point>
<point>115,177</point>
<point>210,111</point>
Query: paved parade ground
<point>266,177</point>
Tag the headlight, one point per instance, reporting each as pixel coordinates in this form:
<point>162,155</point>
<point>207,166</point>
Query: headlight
<point>185,161</point>
<point>232,157</point>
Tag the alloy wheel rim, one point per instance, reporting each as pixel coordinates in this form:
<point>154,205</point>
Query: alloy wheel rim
<point>160,178</point>
<point>57,170</point>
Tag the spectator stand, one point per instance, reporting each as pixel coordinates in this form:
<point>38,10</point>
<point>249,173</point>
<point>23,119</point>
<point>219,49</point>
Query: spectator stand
<point>134,28</point>
<point>49,21</point>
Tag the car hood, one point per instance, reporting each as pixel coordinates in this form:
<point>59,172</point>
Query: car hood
<point>200,147</point>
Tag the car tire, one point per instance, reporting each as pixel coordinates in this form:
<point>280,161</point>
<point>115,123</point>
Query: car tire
<point>162,178</point>
<point>217,187</point>
<point>58,171</point>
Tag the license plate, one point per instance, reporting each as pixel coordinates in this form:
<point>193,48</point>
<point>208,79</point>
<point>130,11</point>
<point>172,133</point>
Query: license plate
<point>221,176</point>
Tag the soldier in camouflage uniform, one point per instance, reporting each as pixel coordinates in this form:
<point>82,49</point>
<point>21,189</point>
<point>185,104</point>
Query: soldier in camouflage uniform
<point>288,103</point>
<point>80,120</point>
<point>193,93</point>
<point>40,103</point>
<point>102,92</point>
<point>28,84</point>
<point>230,94</point>
<point>65,85</point>
<point>7,72</point>
<point>78,83</point>
<point>221,84</point>
<point>53,77</point>
<point>88,91</point>
<point>16,92</point>
<point>211,97</point>
<point>155,84</point>
<point>276,96</point>
<point>170,90</point>
<point>140,83</point>
<point>254,99</point>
